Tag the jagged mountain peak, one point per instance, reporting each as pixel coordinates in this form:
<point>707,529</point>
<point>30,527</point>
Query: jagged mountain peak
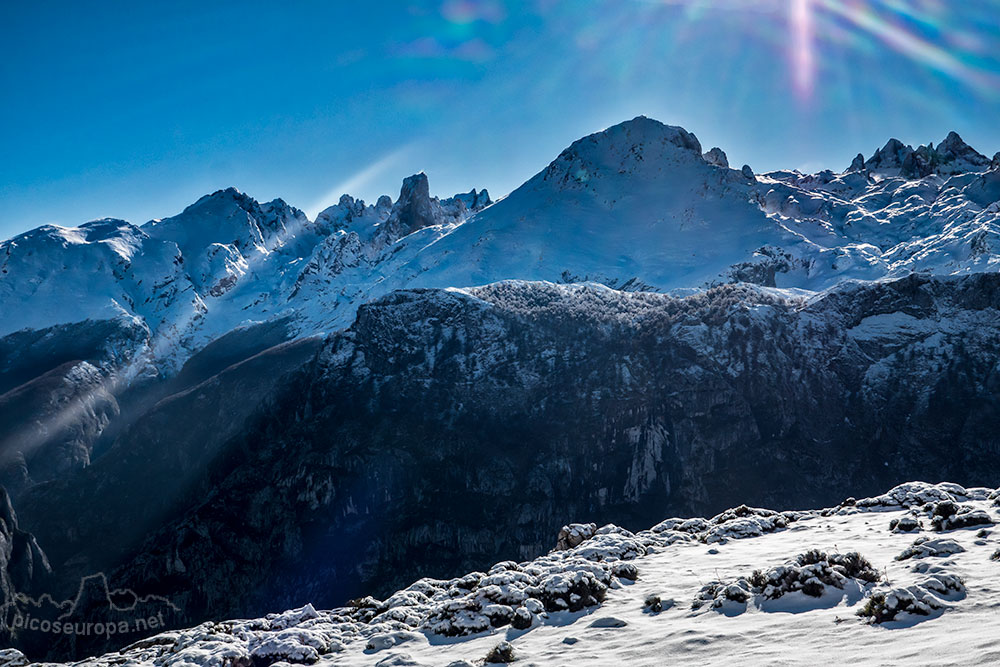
<point>277,215</point>
<point>643,129</point>
<point>225,216</point>
<point>279,205</point>
<point>474,200</point>
<point>951,156</point>
<point>416,209</point>
<point>890,156</point>
<point>223,197</point>
<point>348,209</point>
<point>953,149</point>
<point>953,138</point>
<point>415,185</point>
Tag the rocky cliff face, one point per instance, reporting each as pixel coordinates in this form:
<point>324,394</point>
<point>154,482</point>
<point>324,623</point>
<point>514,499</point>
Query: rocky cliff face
<point>448,429</point>
<point>24,568</point>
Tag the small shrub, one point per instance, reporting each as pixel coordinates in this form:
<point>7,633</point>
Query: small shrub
<point>626,570</point>
<point>923,548</point>
<point>499,614</point>
<point>906,524</point>
<point>502,653</point>
<point>948,515</point>
<point>918,600</point>
<point>875,609</point>
<point>522,619</point>
<point>809,573</point>
<point>563,592</point>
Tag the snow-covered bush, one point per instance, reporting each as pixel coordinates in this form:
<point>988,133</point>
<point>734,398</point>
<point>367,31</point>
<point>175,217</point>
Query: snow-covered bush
<point>948,515</point>
<point>626,571</point>
<point>809,573</point>
<point>570,591</point>
<point>923,547</point>
<point>299,645</point>
<point>522,619</point>
<point>905,524</point>
<point>519,594</point>
<point>11,657</point>
<point>742,522</point>
<point>921,599</point>
<point>912,494</point>
<point>502,653</point>
<point>690,526</point>
<point>718,594</point>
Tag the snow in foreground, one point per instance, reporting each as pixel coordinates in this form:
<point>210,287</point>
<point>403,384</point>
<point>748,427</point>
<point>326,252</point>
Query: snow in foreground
<point>910,577</point>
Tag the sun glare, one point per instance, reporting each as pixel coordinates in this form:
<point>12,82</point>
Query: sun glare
<point>803,57</point>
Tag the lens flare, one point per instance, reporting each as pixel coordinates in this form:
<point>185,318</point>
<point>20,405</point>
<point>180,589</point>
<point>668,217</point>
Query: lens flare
<point>819,34</point>
<point>863,17</point>
<point>361,179</point>
<point>803,57</point>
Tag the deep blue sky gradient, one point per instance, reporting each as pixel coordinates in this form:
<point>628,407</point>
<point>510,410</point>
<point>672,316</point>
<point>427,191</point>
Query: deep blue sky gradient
<point>134,110</point>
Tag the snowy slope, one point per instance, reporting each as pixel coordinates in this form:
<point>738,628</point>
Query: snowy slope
<point>637,201</point>
<point>909,577</point>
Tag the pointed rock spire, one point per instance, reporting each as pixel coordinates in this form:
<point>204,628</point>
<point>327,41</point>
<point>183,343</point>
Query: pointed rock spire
<point>717,157</point>
<point>413,209</point>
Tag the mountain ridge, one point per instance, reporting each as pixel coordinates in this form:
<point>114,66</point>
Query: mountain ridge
<point>422,387</point>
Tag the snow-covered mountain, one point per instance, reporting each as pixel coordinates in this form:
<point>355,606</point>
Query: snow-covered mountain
<point>422,386</point>
<point>637,206</point>
<point>909,576</point>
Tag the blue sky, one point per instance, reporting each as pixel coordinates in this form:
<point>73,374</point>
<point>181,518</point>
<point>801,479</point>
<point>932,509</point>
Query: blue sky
<point>134,110</point>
